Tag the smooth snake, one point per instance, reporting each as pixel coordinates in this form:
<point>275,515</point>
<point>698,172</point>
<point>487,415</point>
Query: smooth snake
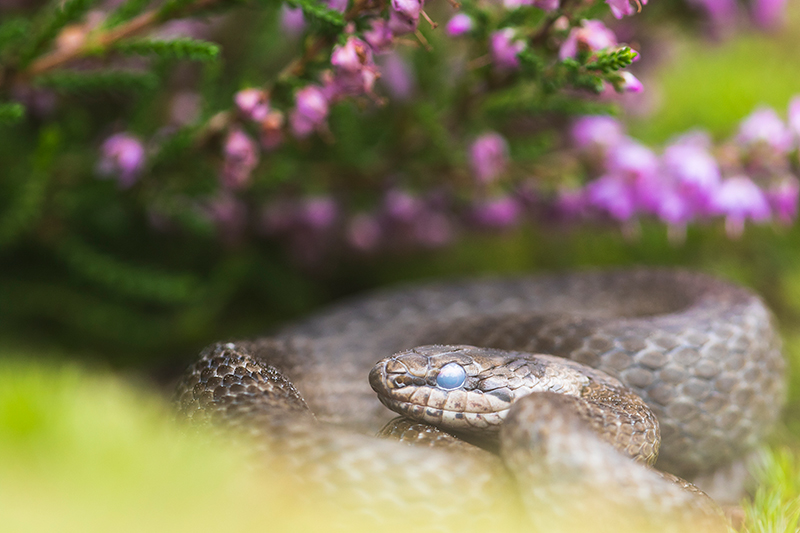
<point>702,353</point>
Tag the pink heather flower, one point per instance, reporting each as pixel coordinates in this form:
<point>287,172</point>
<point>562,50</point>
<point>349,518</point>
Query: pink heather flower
<point>404,16</point>
<point>768,13</point>
<point>364,232</point>
<point>401,206</point>
<point>397,76</point>
<point>613,194</point>
<point>319,212</point>
<point>547,5</point>
<point>632,159</point>
<point>504,47</point>
<point>597,130</point>
<point>783,198</point>
<point>514,4</point>
<point>122,156</point>
<point>633,168</point>
<point>674,208</point>
<point>292,20</point>
<point>720,12</point>
<point>694,172</point>
<point>310,112</point>
<point>628,83</point>
<point>252,103</point>
<point>764,126</point>
<point>591,36</point>
<point>794,117</point>
<point>352,56</point>
<point>460,24</point>
<point>355,70</point>
<point>620,8</point>
<point>497,213</point>
<point>738,198</point>
<point>338,5</point>
<point>241,157</point>
<point>488,157</point>
<point>570,203</point>
<point>379,36</point>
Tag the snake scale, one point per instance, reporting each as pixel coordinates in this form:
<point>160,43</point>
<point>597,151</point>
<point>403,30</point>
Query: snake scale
<point>702,353</point>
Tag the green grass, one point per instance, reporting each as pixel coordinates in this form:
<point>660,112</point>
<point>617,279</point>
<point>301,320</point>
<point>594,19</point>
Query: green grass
<point>714,85</point>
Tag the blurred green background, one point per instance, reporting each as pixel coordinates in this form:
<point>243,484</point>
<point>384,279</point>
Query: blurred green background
<point>84,424</point>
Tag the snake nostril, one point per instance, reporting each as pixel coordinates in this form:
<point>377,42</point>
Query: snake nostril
<point>401,381</point>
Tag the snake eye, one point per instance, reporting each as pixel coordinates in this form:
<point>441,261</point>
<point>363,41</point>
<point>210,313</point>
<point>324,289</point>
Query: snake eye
<point>451,376</point>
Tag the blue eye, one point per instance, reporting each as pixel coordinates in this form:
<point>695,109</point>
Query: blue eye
<point>451,376</point>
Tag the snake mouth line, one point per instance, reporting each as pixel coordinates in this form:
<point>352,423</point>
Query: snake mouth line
<point>447,419</point>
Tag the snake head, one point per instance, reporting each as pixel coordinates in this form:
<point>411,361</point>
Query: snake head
<point>458,388</point>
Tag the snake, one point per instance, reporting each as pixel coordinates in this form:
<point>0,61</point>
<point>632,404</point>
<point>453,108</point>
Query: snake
<point>569,384</point>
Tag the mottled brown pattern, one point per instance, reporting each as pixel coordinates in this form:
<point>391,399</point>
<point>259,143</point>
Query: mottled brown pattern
<point>702,353</point>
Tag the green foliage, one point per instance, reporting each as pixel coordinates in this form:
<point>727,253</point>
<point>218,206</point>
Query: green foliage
<point>12,32</point>
<point>775,507</point>
<point>317,10</point>
<point>126,279</point>
<point>608,62</point>
<point>192,49</point>
<point>173,8</point>
<point>99,80</point>
<point>25,205</point>
<point>11,112</point>
<point>126,11</point>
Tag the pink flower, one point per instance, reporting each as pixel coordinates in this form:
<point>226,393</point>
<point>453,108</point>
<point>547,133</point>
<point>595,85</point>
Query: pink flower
<point>252,103</point>
<point>547,5</point>
<point>401,206</point>
<point>379,36</point>
<point>460,24</point>
<point>763,126</point>
<point>355,70</point>
<point>352,56</point>
<point>694,172</point>
<point>783,197</point>
<point>597,130</point>
<point>488,157</point>
<point>738,198</point>
<point>292,20</point>
<point>794,117</point>
<point>628,83</point>
<point>591,36</point>
<point>241,157</point>
<point>122,155</point>
<point>612,193</point>
<point>404,16</point>
<point>319,212</point>
<point>620,8</point>
<point>397,76</point>
<point>338,5</point>
<point>310,112</point>
<point>497,213</point>
<point>768,13</point>
<point>721,12</point>
<point>504,47</point>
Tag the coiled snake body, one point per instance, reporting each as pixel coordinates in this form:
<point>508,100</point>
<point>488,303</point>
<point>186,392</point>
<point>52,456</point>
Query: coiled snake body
<point>703,355</point>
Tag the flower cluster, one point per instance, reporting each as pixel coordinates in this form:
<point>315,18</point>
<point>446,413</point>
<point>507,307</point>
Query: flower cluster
<point>749,177</point>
